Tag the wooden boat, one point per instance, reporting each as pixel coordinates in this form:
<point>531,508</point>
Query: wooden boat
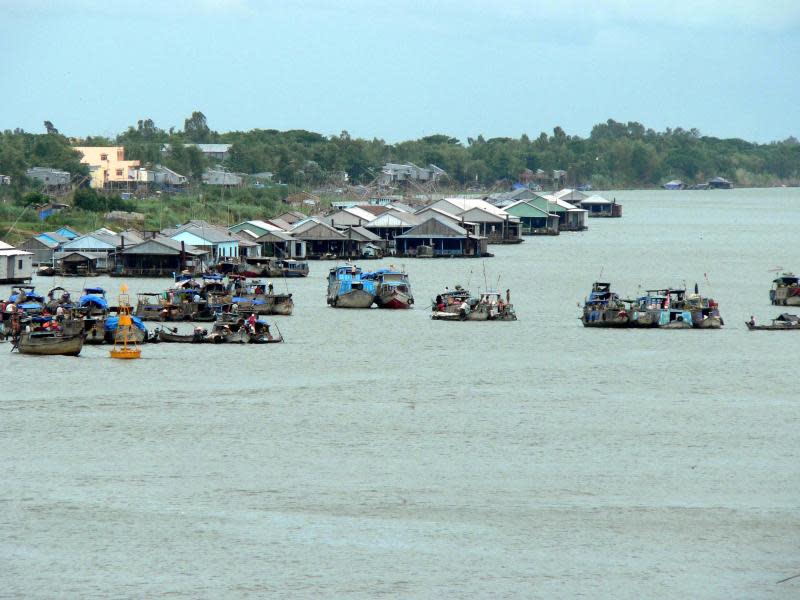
<point>233,329</point>
<point>673,309</point>
<point>459,305</point>
<point>50,343</point>
<point>26,298</point>
<point>294,268</point>
<point>603,308</point>
<point>783,322</point>
<point>198,336</point>
<point>785,290</point>
<point>347,288</point>
<point>149,306</point>
<point>255,297</point>
<point>392,288</point>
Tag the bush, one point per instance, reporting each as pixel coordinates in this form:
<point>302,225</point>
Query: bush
<point>89,200</point>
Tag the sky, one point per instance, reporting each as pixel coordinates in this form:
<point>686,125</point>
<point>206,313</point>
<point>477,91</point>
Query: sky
<point>403,69</point>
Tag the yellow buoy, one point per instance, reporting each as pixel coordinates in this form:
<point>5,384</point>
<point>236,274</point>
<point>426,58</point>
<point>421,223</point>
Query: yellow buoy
<point>125,345</point>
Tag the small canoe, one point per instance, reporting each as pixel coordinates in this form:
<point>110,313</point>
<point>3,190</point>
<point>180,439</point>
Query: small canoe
<point>197,337</point>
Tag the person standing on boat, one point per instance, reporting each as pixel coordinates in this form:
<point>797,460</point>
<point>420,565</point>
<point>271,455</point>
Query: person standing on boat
<point>60,313</point>
<point>269,288</point>
<point>752,321</point>
<point>463,310</point>
<point>251,322</point>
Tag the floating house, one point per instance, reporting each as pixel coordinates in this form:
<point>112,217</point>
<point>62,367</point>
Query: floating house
<point>392,223</point>
<point>81,262</point>
<point>570,218</point>
<point>281,244</point>
<point>349,217</point>
<point>220,243</point>
<point>320,238</point>
<point>491,222</point>
<point>90,250</point>
<point>16,266</point>
<point>157,257</point>
<point>600,207</point>
<point>255,226</point>
<point>533,220</point>
<point>436,236</point>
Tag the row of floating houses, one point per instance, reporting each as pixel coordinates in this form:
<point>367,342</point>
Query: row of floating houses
<point>449,227</point>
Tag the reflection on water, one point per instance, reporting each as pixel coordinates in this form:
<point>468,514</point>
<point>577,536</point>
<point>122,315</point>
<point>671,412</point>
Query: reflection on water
<point>380,452</point>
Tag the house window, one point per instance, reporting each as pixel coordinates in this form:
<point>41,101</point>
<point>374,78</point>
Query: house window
<point>19,265</point>
<point>119,172</point>
<point>104,157</point>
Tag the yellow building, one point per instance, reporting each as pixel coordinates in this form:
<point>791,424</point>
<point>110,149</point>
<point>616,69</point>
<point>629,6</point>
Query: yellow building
<point>108,167</point>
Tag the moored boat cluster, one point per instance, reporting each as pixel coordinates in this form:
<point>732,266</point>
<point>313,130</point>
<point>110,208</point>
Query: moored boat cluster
<point>664,308</point>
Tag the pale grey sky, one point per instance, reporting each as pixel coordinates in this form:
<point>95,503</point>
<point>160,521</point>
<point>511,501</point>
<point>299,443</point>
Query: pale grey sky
<point>402,69</point>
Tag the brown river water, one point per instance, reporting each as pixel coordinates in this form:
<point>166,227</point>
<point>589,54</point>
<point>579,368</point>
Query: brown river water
<point>379,453</point>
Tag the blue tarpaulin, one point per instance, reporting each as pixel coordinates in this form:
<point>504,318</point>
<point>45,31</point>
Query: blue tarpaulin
<point>85,301</point>
<point>112,322</point>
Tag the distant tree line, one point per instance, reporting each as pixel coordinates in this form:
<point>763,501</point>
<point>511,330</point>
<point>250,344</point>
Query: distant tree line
<point>615,154</point>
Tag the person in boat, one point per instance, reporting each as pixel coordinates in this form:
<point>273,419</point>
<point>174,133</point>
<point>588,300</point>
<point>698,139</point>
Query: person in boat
<point>270,289</point>
<point>259,290</point>
<point>196,298</point>
<point>60,314</point>
<point>463,310</point>
<point>16,328</point>
<point>251,322</point>
<point>752,321</point>
<point>508,296</point>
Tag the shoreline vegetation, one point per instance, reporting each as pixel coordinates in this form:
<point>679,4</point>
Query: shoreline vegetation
<point>615,155</point>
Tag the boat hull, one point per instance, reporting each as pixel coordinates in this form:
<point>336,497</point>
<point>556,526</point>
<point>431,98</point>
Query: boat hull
<point>176,338</point>
<point>474,315</point>
<point>752,327</point>
<point>50,345</point>
<point>135,335</point>
<point>611,324</point>
<point>394,300</point>
<point>709,323</point>
<point>353,299</point>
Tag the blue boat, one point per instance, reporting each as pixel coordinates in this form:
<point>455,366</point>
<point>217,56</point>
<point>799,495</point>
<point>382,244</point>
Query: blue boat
<point>138,331</point>
<point>27,299</point>
<point>347,288</point>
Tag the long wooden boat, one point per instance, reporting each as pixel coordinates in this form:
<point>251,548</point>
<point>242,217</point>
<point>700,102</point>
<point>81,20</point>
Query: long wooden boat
<point>783,322</point>
<point>459,305</point>
<point>50,343</point>
<point>199,336</point>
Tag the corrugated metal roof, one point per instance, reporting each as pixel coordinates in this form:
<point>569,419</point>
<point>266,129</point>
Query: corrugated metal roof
<point>435,227</point>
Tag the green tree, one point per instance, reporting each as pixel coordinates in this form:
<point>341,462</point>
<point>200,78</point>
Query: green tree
<point>195,128</point>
